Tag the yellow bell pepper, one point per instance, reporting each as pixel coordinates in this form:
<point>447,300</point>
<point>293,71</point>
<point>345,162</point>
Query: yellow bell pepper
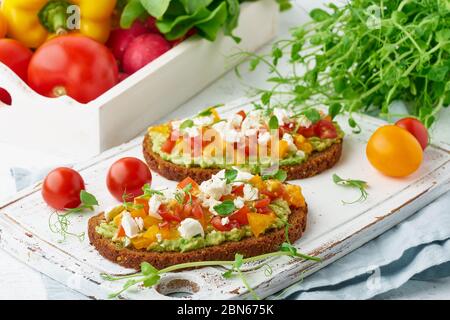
<point>32,22</point>
<point>3,25</point>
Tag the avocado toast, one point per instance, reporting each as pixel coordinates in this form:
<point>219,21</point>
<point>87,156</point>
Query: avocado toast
<point>233,212</point>
<point>303,144</point>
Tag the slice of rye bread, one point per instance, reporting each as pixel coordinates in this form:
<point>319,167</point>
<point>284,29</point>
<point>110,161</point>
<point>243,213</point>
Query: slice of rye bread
<point>315,164</point>
<point>249,247</point>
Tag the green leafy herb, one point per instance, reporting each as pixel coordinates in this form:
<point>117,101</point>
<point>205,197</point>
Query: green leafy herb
<point>273,123</point>
<point>280,175</point>
<point>226,208</point>
<point>59,222</point>
<point>207,112</point>
<point>312,114</point>
<point>187,124</point>
<point>363,55</point>
<point>358,184</point>
<point>230,175</point>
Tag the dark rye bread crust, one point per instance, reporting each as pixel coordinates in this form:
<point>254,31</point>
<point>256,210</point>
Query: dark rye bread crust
<point>316,163</point>
<point>249,247</point>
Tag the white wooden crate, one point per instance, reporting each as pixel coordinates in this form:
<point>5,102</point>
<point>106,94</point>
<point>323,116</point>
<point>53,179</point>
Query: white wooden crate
<point>333,229</point>
<point>65,127</point>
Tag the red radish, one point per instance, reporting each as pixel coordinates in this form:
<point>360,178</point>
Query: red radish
<point>150,24</point>
<point>121,38</point>
<point>143,50</point>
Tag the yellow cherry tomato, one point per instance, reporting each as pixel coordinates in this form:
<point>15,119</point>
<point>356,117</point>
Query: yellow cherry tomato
<point>394,151</point>
<point>3,25</point>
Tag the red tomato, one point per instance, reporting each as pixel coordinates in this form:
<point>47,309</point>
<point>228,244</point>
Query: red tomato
<point>262,203</point>
<point>73,65</point>
<point>306,132</point>
<point>242,114</point>
<point>5,97</point>
<point>197,212</point>
<point>16,56</point>
<point>128,176</point>
<point>241,216</point>
<point>167,215</point>
<point>61,188</point>
<point>238,190</point>
<point>325,129</point>
<point>168,146</point>
<point>217,224</point>
<point>416,128</point>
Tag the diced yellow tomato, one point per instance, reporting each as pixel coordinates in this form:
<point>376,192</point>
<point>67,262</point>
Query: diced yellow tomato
<point>163,128</point>
<point>142,202</point>
<point>283,148</point>
<point>302,144</point>
<point>257,182</point>
<point>294,196</point>
<point>151,221</point>
<point>138,213</point>
<point>151,233</point>
<point>273,185</point>
<point>118,219</point>
<point>169,233</point>
<point>259,223</point>
<point>141,243</point>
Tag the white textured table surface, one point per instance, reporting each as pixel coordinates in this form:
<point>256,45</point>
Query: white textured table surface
<point>18,281</point>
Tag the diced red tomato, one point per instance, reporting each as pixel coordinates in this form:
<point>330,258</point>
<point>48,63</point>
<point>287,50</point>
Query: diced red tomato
<point>217,224</point>
<point>168,146</point>
<point>184,183</point>
<point>264,210</point>
<point>306,132</point>
<point>142,202</point>
<point>238,190</point>
<point>241,216</point>
<point>167,215</point>
<point>262,203</point>
<point>121,232</point>
<point>197,211</point>
<point>325,129</point>
<point>242,114</point>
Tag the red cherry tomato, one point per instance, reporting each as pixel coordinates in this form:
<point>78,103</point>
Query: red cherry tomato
<point>262,203</point>
<point>168,146</point>
<point>73,65</point>
<point>325,129</point>
<point>16,56</point>
<point>241,216</point>
<point>127,176</point>
<point>416,128</point>
<point>61,188</point>
<point>217,224</point>
<point>306,132</point>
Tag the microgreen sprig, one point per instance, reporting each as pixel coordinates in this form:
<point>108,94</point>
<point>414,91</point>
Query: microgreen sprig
<point>358,184</point>
<point>149,276</point>
<point>59,222</point>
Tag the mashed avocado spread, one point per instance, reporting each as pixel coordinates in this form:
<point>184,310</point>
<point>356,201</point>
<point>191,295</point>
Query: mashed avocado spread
<point>212,237</point>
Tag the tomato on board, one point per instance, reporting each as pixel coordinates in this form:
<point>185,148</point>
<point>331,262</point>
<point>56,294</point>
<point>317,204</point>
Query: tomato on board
<point>325,129</point>
<point>394,151</point>
<point>217,224</point>
<point>16,56</point>
<point>126,177</point>
<point>241,216</point>
<point>61,188</point>
<point>416,128</point>
<point>73,65</point>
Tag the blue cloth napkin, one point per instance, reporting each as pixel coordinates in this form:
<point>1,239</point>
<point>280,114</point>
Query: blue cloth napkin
<point>417,248</point>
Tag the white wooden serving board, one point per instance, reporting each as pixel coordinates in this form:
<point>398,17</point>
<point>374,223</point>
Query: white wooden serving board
<point>333,229</point>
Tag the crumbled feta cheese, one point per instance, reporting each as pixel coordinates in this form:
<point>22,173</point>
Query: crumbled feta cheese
<point>250,193</point>
<point>225,221</point>
<point>129,225</point>
<point>153,206</point>
<point>203,121</point>
<point>243,175</point>
<point>239,202</point>
<point>176,124</point>
<point>159,237</point>
<point>140,223</point>
<point>192,132</point>
<point>290,140</point>
<point>168,194</point>
<point>232,136</point>
<point>303,121</point>
<point>300,154</point>
<point>252,121</point>
<point>250,132</point>
<point>215,188</point>
<point>264,138</point>
<point>210,203</point>
<point>190,228</point>
<point>282,115</point>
